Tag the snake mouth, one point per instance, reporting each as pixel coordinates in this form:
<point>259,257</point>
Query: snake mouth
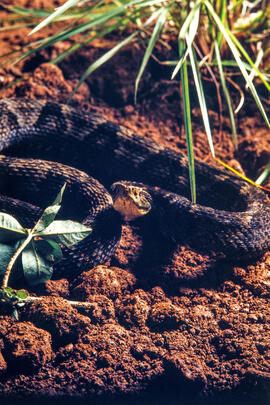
<point>131,201</point>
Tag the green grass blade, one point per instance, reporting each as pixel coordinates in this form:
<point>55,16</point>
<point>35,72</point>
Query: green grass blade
<point>38,13</point>
<point>263,175</point>
<point>193,25</point>
<point>189,19</point>
<point>158,27</point>
<point>15,27</point>
<point>150,4</point>
<point>187,122</point>
<point>245,54</point>
<point>29,12</point>
<point>86,40</point>
<point>45,43</point>
<point>66,34</point>
<point>59,11</point>
<point>235,53</point>
<point>226,94</point>
<point>20,50</point>
<point>233,63</point>
<point>223,16</point>
<point>200,93</point>
<point>103,59</point>
<point>179,64</point>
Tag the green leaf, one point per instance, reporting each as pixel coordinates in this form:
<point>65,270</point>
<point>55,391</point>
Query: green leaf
<point>47,218</point>
<point>22,294</point>
<point>6,253</point>
<point>50,212</point>
<point>9,291</point>
<point>36,269</point>
<point>49,250</point>
<point>59,196</point>
<point>10,228</point>
<point>66,232</point>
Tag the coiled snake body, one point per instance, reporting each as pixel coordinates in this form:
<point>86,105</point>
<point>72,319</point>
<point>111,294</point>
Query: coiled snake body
<point>231,219</point>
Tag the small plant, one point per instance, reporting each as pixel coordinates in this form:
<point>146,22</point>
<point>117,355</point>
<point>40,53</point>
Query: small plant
<point>38,248</point>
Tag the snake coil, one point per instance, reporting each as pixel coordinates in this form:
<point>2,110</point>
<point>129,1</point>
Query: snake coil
<point>38,139</point>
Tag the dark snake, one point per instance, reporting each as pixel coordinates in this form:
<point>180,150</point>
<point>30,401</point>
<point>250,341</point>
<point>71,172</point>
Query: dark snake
<point>38,139</point>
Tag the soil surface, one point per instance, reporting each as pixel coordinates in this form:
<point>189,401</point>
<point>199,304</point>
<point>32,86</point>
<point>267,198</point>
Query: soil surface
<point>164,324</point>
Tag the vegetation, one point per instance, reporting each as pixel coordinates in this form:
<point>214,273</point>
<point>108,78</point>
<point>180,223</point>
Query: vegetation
<point>38,248</point>
<point>219,38</point>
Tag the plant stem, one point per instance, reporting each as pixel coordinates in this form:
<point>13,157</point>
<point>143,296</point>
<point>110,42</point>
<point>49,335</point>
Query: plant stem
<point>75,304</point>
<point>14,258</point>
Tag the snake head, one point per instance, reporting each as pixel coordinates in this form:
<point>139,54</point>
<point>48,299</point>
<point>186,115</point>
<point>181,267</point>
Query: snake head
<point>130,199</point>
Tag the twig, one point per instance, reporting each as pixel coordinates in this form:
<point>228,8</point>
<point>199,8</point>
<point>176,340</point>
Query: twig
<point>75,304</point>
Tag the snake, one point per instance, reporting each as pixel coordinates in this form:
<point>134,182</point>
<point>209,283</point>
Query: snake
<point>113,175</point>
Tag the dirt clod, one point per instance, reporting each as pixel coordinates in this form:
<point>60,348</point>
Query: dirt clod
<point>110,282</point>
<point>59,318</point>
<point>27,348</point>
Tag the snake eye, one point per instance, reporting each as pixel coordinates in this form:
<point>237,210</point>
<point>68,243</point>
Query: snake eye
<point>130,200</point>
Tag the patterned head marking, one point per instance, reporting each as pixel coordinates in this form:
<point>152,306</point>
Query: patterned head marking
<point>131,201</point>
<point>26,111</point>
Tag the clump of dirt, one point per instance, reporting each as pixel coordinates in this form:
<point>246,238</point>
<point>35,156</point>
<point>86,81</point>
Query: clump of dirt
<point>26,347</point>
<point>160,315</point>
<point>58,317</point>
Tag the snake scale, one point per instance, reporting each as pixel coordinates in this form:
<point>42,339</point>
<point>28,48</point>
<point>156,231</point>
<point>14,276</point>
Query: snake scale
<point>45,144</point>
